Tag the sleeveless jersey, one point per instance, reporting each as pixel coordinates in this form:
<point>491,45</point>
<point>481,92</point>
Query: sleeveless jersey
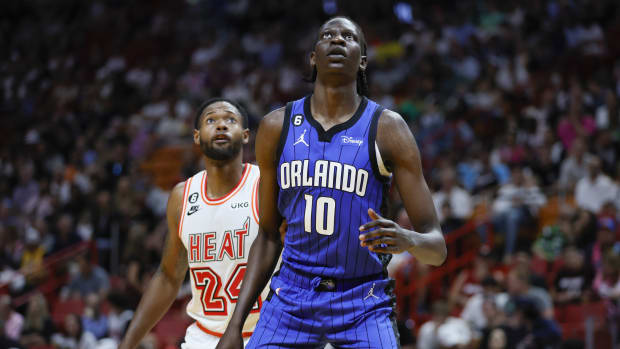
<point>217,234</point>
<point>327,181</point>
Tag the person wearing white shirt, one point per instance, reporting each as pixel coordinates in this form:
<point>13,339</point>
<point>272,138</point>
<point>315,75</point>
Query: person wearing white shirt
<point>595,189</point>
<point>517,201</point>
<point>474,313</point>
<point>443,331</point>
<point>459,199</point>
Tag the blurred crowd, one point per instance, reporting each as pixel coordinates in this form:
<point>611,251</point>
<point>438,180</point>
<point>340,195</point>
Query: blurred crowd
<point>514,107</point>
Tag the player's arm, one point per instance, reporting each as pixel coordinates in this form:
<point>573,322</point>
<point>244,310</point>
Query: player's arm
<point>267,246</point>
<point>164,286</point>
<point>401,154</point>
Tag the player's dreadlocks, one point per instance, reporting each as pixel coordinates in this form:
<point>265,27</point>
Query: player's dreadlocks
<point>362,82</point>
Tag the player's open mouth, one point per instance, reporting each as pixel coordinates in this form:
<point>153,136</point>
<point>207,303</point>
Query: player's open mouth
<point>337,52</point>
<point>221,139</point>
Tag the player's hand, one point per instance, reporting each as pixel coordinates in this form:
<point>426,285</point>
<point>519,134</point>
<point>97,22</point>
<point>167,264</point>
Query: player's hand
<point>231,339</point>
<point>387,236</point>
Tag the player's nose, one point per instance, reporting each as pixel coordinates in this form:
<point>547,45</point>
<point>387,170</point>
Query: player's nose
<point>337,39</point>
<point>221,125</point>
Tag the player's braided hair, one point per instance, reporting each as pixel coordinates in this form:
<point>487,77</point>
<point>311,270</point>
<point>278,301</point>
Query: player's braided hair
<point>362,82</point>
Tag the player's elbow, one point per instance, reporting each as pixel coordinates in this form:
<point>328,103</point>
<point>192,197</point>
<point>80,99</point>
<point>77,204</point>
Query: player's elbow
<point>440,254</point>
<point>437,253</point>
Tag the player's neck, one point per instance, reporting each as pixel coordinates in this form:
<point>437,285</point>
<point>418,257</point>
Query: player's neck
<point>223,176</point>
<point>334,101</point>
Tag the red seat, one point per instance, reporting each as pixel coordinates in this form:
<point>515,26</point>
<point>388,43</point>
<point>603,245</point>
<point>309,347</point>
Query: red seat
<point>117,282</point>
<point>573,330</point>
<point>61,309</point>
<point>597,310</point>
<point>171,328</point>
<point>579,312</point>
<point>572,313</point>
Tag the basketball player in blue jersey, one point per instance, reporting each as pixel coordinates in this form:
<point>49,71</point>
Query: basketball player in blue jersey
<point>326,162</point>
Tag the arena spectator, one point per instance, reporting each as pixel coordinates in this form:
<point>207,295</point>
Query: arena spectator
<point>12,321</point>
<point>119,315</point>
<point>575,166</point>
<point>607,281</point>
<point>93,320</point>
<point>518,285</point>
<point>458,200</point>
<point>575,124</point>
<point>469,281</point>
<point>73,336</point>
<point>605,243</point>
<point>481,307</point>
<point>89,279</point>
<point>32,257</point>
<point>38,325</point>
<point>443,331</point>
<point>574,280</point>
<point>528,328</point>
<point>523,262</point>
<point>595,189</point>
<point>65,233</point>
<point>517,203</point>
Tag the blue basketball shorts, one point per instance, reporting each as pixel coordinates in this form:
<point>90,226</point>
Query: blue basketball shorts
<point>308,312</point>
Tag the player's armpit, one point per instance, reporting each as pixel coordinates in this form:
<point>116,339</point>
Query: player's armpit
<point>401,154</point>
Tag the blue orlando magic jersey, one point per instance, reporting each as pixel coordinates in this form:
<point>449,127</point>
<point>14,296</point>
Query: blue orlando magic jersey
<point>328,180</point>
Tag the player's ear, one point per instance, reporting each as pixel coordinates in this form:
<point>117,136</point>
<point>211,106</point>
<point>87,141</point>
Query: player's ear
<point>312,59</point>
<point>246,136</point>
<point>196,137</point>
<point>363,62</point>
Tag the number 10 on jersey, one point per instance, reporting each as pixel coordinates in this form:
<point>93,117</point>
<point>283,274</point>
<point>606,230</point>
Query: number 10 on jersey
<point>325,211</point>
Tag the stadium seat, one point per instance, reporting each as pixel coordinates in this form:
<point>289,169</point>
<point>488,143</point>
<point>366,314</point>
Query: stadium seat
<point>171,328</point>
<point>61,309</point>
<point>571,313</point>
<point>573,330</point>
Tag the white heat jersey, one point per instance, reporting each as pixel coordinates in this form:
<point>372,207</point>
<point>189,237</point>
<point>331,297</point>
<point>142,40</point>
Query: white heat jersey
<point>217,234</point>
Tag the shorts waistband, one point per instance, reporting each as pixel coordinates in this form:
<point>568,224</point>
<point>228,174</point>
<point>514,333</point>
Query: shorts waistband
<point>323,283</point>
<point>217,334</point>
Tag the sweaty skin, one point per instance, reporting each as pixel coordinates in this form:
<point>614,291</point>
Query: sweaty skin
<point>337,58</point>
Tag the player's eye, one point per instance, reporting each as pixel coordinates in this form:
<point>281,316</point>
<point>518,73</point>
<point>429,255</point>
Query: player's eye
<point>326,35</point>
<point>232,120</point>
<point>210,121</point>
<point>348,36</point>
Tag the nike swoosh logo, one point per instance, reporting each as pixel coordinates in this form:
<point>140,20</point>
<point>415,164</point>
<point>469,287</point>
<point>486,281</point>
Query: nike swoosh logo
<point>189,213</point>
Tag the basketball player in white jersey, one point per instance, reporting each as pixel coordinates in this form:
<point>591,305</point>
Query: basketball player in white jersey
<point>212,221</point>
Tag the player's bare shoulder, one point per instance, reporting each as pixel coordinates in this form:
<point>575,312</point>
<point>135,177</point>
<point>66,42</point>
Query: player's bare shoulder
<point>271,124</point>
<point>268,134</point>
<point>393,134</point>
<point>175,201</point>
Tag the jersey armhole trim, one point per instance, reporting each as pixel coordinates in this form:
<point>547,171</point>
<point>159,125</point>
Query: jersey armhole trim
<point>188,184</point>
<point>378,166</point>
<point>284,133</point>
<point>382,169</point>
<point>254,200</point>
